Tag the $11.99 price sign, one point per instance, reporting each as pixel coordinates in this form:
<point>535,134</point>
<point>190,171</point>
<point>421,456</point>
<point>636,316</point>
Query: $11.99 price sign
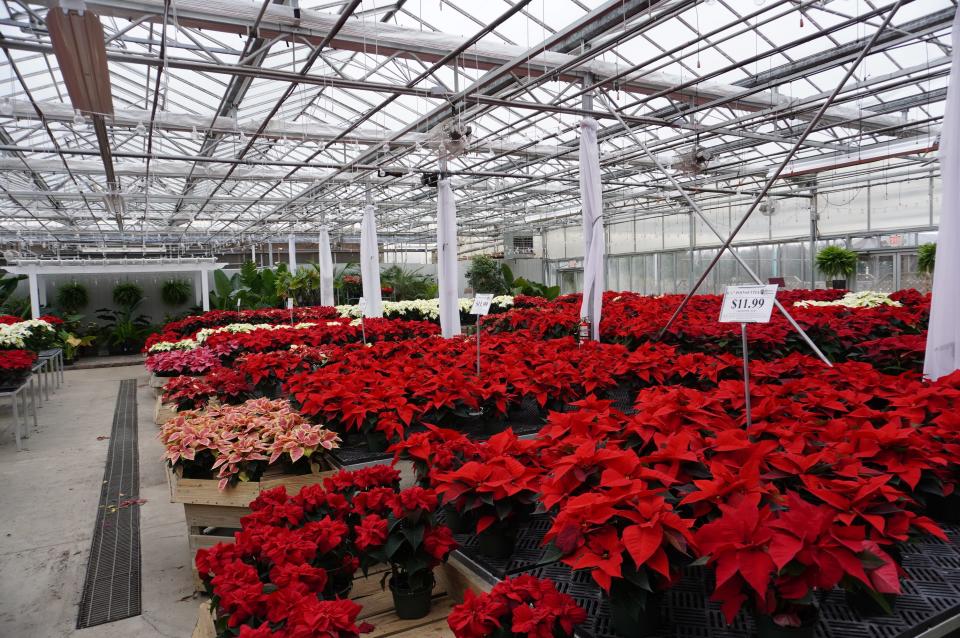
<point>748,304</point>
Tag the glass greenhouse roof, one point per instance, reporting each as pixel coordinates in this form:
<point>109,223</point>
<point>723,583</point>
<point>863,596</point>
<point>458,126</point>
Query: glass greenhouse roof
<point>236,121</point>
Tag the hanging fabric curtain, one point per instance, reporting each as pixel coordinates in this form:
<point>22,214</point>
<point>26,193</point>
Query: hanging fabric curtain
<point>292,247</point>
<point>370,264</point>
<point>326,267</point>
<point>447,275</point>
<point>593,241</point>
<point>943,335</point>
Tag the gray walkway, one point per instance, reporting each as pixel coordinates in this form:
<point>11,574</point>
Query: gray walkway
<point>48,503</point>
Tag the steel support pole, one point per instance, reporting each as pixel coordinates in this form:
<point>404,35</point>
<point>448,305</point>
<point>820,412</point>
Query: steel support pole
<point>746,373</point>
<point>706,221</point>
<point>786,160</point>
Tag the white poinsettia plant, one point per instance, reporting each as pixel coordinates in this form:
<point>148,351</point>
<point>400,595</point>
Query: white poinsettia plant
<point>426,309</point>
<point>32,334</point>
<point>863,299</point>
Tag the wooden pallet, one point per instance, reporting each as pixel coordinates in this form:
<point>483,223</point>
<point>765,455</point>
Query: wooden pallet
<point>212,515</point>
<point>453,579</point>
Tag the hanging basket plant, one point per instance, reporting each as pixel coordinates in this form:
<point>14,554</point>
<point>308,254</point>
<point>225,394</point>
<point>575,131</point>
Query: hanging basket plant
<point>72,297</point>
<point>175,292</point>
<point>127,295</point>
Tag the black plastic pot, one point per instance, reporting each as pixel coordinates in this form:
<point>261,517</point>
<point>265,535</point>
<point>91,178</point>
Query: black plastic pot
<point>457,521</point>
<point>838,284</point>
<point>866,605</point>
<point>944,509</point>
<point>14,380</point>
<point>410,604</point>
<point>491,425</point>
<point>630,615</point>
<point>376,441</point>
<point>339,583</point>
<point>497,541</point>
<point>766,628</point>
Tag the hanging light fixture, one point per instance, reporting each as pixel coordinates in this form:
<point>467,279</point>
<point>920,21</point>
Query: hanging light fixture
<point>141,129</point>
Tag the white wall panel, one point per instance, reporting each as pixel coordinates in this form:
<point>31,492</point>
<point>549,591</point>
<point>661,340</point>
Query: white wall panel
<point>843,212</point>
<point>900,205</point>
<point>620,238</point>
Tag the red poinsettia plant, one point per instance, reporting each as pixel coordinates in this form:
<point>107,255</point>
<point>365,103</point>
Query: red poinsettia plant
<point>498,491</point>
<point>520,607</point>
<point>628,536</point>
<point>776,560</point>
<point>188,393</point>
<point>413,542</point>
<point>15,361</point>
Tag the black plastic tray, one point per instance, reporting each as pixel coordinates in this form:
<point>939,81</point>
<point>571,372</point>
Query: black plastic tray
<point>931,593</point>
<point>524,420</point>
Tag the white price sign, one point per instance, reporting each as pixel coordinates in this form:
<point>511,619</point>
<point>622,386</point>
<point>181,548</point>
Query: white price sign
<point>481,304</point>
<point>748,304</point>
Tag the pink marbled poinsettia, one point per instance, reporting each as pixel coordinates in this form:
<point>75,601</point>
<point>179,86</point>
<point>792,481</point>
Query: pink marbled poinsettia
<point>243,439</point>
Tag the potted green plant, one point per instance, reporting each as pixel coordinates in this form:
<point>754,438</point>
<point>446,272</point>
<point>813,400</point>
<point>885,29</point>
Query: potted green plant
<point>486,276</point>
<point>835,262</point>
<point>72,297</point>
<point>123,332</point>
<point>926,258</point>
<point>175,292</point>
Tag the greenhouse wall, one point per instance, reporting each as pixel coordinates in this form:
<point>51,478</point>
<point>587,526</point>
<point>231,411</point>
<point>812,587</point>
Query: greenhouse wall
<point>666,253</point>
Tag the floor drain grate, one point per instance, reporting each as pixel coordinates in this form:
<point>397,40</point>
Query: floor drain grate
<point>111,589</point>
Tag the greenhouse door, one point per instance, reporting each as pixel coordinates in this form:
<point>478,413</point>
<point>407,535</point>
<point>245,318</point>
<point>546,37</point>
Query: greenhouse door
<point>889,271</point>
<point>571,281</point>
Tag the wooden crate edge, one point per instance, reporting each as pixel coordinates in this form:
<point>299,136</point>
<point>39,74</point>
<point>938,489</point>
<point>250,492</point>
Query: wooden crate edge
<point>204,627</point>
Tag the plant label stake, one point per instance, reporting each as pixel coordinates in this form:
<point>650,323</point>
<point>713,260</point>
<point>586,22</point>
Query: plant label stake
<point>743,305</point>
<point>481,306</point>
<point>363,316</point>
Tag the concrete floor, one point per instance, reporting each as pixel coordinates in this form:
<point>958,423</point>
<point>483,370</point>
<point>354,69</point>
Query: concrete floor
<point>48,502</point>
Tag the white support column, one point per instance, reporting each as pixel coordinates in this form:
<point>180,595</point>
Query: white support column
<point>205,289</point>
<point>32,282</point>
<point>197,288</point>
<point>42,290</point>
<point>253,253</point>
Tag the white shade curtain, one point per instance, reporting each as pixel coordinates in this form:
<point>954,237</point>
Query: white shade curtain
<point>943,335</point>
<point>325,261</point>
<point>370,264</point>
<point>447,276</point>
<point>592,201</point>
<point>292,265</point>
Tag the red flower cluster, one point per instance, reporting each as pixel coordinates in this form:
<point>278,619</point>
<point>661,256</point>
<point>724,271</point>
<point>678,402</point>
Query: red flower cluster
<point>523,606</point>
<point>17,360</point>
<point>295,557</point>
<point>184,328</point>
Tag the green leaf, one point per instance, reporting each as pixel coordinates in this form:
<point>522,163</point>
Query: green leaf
<point>393,544</point>
<point>414,536</point>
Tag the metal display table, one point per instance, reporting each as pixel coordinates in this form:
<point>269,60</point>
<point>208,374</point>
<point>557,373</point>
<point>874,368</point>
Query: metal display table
<point>20,393</point>
<point>51,365</point>
<point>929,606</point>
